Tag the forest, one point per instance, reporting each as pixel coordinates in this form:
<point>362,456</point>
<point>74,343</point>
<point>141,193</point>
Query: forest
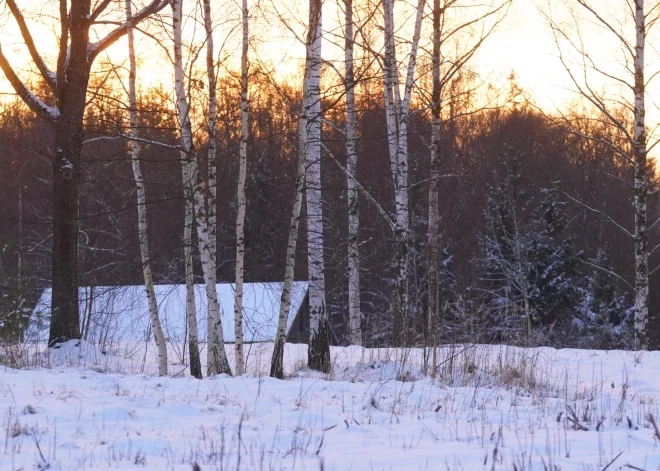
<point>424,204</point>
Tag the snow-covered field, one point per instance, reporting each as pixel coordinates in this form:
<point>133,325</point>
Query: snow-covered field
<point>486,408</point>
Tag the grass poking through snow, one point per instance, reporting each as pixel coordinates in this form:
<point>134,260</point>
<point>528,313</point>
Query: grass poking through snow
<point>481,408</point>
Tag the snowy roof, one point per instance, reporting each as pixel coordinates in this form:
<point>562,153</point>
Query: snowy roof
<point>121,314</point>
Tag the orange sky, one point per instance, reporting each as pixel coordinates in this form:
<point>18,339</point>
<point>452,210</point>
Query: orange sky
<point>522,44</point>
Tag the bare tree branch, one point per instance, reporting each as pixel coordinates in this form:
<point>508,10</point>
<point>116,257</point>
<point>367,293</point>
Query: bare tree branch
<point>608,26</point>
<point>133,138</point>
<point>597,211</point>
<point>609,272</point>
<point>154,7</point>
<point>64,47</point>
<point>366,194</point>
<point>35,104</point>
<point>46,73</point>
<point>99,9</point>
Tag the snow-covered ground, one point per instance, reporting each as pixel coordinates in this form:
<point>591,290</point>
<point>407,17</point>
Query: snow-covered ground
<point>486,408</point>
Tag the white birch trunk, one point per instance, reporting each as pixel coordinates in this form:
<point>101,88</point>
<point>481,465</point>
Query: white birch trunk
<point>277,361</point>
<point>216,356</point>
<point>404,115</point>
<point>191,308</point>
<point>433,237</point>
<point>209,192</point>
<point>354,313</point>
<point>397,111</point>
<point>390,83</point>
<point>141,203</point>
<point>641,187</point>
<point>319,348</point>
<point>189,216</point>
<point>240,216</point>
<point>206,202</point>
<point>212,184</point>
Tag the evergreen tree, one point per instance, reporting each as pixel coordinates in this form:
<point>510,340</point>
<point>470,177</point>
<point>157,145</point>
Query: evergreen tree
<point>554,259</point>
<point>605,317</point>
<point>529,261</point>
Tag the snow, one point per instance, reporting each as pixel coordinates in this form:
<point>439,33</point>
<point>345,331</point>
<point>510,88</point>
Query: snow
<point>52,111</point>
<point>66,164</point>
<point>489,408</point>
<point>121,313</point>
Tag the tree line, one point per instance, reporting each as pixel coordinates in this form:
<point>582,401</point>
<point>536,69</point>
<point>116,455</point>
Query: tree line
<point>420,209</point>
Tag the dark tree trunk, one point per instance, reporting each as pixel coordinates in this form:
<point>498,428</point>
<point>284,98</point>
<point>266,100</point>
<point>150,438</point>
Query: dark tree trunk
<point>69,86</point>
<point>319,348</point>
<point>276,367</point>
<point>195,362</point>
<point>65,321</point>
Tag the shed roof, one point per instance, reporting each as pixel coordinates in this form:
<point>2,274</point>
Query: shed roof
<point>120,313</point>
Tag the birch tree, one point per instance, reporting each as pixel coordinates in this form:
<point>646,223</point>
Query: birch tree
<point>141,200</point>
<point>454,22</point>
<point>196,189</point>
<point>68,84</point>
<point>277,362</point>
<point>434,209</point>
<point>631,78</point>
<point>188,262</point>
<point>639,156</point>
<point>240,216</point>
<point>191,308</point>
<point>189,215</point>
<point>206,213</point>
<point>318,357</point>
<point>397,112</point>
<point>354,312</point>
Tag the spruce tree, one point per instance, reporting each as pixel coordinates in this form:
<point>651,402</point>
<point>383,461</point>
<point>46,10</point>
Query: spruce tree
<point>605,317</point>
<point>529,263</point>
<point>554,257</point>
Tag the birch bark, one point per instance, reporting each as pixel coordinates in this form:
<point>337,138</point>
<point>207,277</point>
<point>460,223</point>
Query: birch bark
<point>397,111</point>
<point>640,183</point>
<point>434,210</point>
<point>206,202</point>
<point>141,202</point>
<point>354,313</point>
<point>240,216</point>
<point>191,308</point>
<point>277,362</point>
<point>318,357</point>
<point>204,217</point>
